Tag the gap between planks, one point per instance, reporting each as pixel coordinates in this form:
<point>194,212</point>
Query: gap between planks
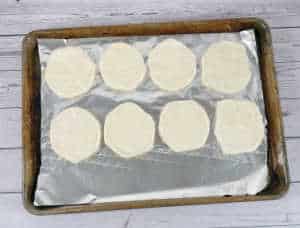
<point>281,212</point>
<point>32,14</point>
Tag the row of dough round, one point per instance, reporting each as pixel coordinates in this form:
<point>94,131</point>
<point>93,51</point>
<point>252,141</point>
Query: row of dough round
<point>172,66</point>
<point>75,134</point>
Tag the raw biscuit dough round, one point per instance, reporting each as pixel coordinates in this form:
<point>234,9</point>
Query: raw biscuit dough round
<point>75,134</point>
<point>122,67</point>
<point>225,67</point>
<point>184,125</point>
<point>70,72</point>
<point>172,65</point>
<point>239,126</point>
<point>129,131</point>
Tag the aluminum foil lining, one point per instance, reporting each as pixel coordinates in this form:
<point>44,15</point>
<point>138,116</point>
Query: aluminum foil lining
<point>160,173</point>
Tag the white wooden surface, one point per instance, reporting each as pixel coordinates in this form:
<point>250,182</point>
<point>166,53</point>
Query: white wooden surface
<point>19,17</point>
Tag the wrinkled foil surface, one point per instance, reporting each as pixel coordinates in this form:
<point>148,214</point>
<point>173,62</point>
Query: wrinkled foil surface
<point>160,173</point>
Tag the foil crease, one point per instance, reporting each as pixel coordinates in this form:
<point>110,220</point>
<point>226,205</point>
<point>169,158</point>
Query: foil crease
<point>160,173</point>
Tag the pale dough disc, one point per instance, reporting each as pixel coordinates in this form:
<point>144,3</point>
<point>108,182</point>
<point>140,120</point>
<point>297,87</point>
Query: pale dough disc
<point>129,130</point>
<point>172,65</point>
<point>225,67</point>
<point>239,126</point>
<point>122,67</point>
<point>75,134</point>
<point>184,125</point>
<point>70,72</point>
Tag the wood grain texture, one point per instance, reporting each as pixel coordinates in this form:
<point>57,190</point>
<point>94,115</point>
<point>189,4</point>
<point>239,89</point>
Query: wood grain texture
<point>280,212</point>
<point>10,125</point>
<point>10,89</point>
<point>292,146</point>
<point>20,17</point>
<point>10,61</point>
<point>10,170</point>
<point>285,211</point>
<point>286,44</point>
<point>288,77</point>
<point>291,114</point>
<point>13,215</point>
<point>35,14</point>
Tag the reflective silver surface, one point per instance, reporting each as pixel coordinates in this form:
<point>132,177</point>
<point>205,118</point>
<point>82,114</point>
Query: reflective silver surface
<point>161,173</point>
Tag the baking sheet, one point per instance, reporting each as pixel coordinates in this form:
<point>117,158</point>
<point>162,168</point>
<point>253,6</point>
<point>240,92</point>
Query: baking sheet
<point>160,173</point>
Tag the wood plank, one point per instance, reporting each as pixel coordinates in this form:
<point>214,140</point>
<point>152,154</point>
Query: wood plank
<point>13,215</point>
<point>286,44</point>
<point>292,145</point>
<point>10,61</point>
<point>285,211</point>
<point>10,89</point>
<point>10,125</point>
<point>10,43</point>
<point>287,37</point>
<point>288,76</point>
<point>52,14</point>
<point>291,113</point>
<point>279,212</point>
<point>10,170</point>
<point>276,226</point>
<point>285,40</point>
